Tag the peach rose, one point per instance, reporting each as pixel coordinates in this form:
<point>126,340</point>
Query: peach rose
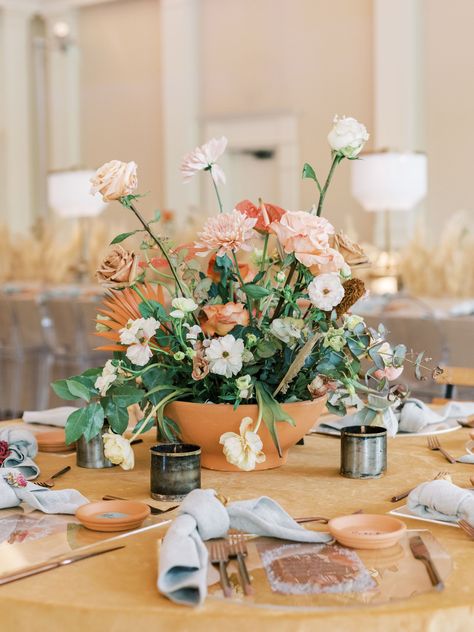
<point>220,319</point>
<point>244,269</point>
<point>265,214</point>
<point>307,236</point>
<point>114,180</point>
<point>118,269</point>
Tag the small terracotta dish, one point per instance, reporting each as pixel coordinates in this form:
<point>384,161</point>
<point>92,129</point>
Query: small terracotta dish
<point>113,515</point>
<point>367,531</point>
<point>53,441</point>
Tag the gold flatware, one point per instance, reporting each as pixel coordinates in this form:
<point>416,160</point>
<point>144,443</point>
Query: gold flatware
<point>219,557</point>
<point>154,510</point>
<point>434,444</point>
<point>439,476</point>
<point>48,566</point>
<point>49,482</point>
<point>467,528</point>
<point>306,519</point>
<point>237,549</point>
<point>420,552</point>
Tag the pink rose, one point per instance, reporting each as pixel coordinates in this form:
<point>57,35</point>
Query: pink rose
<point>307,236</point>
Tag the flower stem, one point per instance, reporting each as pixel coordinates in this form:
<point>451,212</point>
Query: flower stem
<point>221,208</point>
<point>279,307</point>
<point>264,254</point>
<point>322,195</point>
<point>237,270</point>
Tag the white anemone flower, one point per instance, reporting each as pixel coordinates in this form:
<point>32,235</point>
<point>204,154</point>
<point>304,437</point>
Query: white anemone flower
<point>243,450</point>
<point>205,157</point>
<point>225,355</point>
<point>106,379</point>
<point>326,291</point>
<point>118,450</point>
<point>136,334</point>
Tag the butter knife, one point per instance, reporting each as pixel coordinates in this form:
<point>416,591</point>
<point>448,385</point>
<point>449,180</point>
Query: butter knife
<point>48,566</point>
<point>420,552</point>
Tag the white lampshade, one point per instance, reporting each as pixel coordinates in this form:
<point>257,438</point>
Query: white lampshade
<point>68,195</point>
<point>389,181</point>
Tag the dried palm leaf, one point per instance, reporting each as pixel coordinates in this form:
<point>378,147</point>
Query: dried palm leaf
<point>296,365</point>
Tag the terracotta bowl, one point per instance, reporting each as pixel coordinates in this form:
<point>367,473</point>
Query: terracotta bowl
<point>203,424</point>
<point>113,515</point>
<point>367,531</point>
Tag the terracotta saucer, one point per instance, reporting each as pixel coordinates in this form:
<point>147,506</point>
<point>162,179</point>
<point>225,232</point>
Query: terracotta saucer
<point>367,531</point>
<point>113,515</point>
<point>51,437</point>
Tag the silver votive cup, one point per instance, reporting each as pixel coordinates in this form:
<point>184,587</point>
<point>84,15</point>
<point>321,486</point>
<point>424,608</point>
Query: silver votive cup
<point>90,454</point>
<point>363,451</point>
<point>175,470</point>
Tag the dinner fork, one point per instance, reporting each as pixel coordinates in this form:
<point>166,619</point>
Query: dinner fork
<point>219,557</point>
<point>434,444</point>
<point>237,549</point>
<point>467,528</point>
<point>49,482</point>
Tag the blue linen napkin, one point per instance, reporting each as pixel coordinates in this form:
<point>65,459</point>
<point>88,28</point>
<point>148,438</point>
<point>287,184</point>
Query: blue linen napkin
<point>182,573</point>
<point>51,417</point>
<point>442,500</point>
<point>15,489</point>
<point>23,448</point>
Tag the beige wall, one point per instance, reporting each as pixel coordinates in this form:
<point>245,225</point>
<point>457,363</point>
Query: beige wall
<point>120,90</point>
<point>312,58</point>
<point>449,107</point>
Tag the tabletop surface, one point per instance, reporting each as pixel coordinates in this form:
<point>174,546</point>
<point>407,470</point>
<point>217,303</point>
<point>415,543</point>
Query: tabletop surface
<point>117,591</point>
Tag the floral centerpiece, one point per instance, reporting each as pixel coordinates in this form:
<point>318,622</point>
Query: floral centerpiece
<point>239,332</point>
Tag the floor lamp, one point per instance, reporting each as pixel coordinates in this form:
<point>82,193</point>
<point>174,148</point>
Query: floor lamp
<point>389,181</point>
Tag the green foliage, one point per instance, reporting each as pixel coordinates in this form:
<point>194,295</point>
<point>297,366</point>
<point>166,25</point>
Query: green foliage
<point>271,412</point>
<point>123,236</point>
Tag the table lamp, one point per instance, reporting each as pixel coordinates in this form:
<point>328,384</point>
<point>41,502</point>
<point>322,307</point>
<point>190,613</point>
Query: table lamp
<point>388,181</point>
<point>69,197</point>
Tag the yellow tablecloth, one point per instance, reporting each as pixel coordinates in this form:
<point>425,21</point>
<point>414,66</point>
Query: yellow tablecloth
<point>117,592</point>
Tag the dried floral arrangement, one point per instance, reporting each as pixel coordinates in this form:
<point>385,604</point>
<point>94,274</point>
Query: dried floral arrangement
<point>256,310</point>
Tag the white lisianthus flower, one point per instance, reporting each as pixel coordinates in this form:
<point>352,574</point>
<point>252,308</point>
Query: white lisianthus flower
<point>136,334</point>
<point>352,320</point>
<point>347,136</point>
<point>287,329</point>
<point>245,449</point>
<point>244,384</point>
<point>177,313</point>
<point>204,158</point>
<point>185,305</point>
<point>108,376</point>
<point>118,450</point>
<point>225,355</point>
<point>193,332</point>
<point>326,291</point>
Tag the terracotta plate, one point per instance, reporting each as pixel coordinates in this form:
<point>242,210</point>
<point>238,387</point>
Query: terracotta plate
<point>367,531</point>
<point>113,515</point>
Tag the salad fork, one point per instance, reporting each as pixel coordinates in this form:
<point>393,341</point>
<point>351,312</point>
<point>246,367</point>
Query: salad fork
<point>219,557</point>
<point>434,444</point>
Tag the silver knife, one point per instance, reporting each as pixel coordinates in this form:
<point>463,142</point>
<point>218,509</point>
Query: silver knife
<point>48,566</point>
<point>420,552</point>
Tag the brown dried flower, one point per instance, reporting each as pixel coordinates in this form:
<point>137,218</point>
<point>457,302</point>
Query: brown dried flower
<point>320,385</point>
<point>354,289</point>
<point>200,363</point>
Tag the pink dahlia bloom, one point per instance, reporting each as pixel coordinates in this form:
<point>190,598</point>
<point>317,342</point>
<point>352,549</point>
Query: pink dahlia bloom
<point>225,233</point>
<point>307,236</point>
<point>205,157</point>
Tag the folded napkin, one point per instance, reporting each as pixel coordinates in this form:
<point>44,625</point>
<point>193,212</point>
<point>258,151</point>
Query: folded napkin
<point>182,574</point>
<point>22,448</point>
<point>14,489</point>
<point>441,500</point>
<point>469,457</point>
<point>51,417</point>
<point>412,416</point>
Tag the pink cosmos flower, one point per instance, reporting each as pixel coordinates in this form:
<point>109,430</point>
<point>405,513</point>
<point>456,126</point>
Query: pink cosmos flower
<point>307,236</point>
<point>225,233</point>
<point>205,157</point>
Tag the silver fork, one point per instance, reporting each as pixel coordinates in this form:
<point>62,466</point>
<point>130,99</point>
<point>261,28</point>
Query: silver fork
<point>238,550</point>
<point>434,444</point>
<point>49,482</point>
<point>219,557</point>
<point>467,528</point>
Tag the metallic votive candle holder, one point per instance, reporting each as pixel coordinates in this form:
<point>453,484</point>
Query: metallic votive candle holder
<point>175,470</point>
<point>363,451</point>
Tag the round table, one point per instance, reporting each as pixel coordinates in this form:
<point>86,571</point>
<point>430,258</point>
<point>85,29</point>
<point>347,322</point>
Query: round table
<point>117,592</point>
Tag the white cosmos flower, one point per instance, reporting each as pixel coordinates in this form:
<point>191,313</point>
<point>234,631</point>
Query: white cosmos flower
<point>347,136</point>
<point>326,291</point>
<point>136,334</point>
<point>118,450</point>
<point>245,449</point>
<point>225,355</point>
<point>205,157</point>
<point>104,381</point>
